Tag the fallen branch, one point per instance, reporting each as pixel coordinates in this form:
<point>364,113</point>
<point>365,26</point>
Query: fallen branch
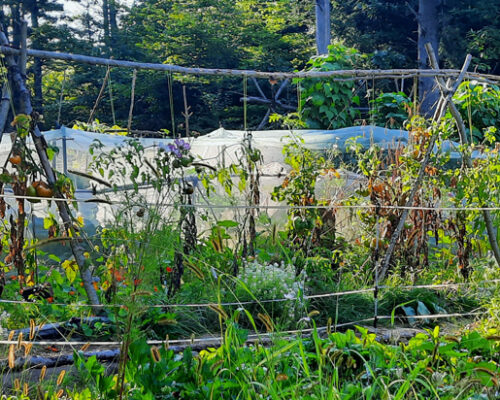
<point>60,330</point>
<point>38,362</point>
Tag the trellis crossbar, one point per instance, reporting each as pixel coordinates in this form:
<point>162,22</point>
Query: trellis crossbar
<point>353,74</point>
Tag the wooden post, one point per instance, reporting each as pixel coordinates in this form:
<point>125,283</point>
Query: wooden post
<point>428,32</point>
<point>19,87</point>
<point>23,59</point>
<point>323,35</point>
<point>64,150</point>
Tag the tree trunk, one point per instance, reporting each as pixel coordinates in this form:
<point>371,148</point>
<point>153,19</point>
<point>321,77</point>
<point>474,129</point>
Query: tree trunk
<point>16,26</point>
<point>113,26</point>
<point>323,35</point>
<point>105,24</point>
<point>37,65</point>
<point>428,32</point>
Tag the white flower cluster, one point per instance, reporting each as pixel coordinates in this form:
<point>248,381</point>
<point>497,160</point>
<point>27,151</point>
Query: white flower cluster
<point>3,317</point>
<point>273,281</point>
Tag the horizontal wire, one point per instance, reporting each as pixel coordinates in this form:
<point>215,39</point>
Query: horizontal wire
<point>245,206</point>
<point>242,303</point>
<point>249,338</point>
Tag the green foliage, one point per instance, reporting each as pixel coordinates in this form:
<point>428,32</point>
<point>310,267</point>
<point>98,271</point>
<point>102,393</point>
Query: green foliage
<point>250,34</point>
<point>325,103</point>
<point>341,365</point>
<point>378,27</point>
<point>390,110</point>
<point>298,188</point>
<point>479,106</point>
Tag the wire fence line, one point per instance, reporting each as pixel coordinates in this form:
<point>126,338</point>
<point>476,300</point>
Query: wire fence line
<point>251,302</point>
<point>261,206</point>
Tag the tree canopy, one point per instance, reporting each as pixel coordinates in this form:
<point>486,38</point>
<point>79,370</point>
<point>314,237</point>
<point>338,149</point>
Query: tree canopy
<point>251,34</point>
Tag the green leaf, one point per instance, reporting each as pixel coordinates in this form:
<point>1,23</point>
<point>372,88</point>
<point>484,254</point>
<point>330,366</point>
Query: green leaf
<point>53,257</point>
<point>228,223</point>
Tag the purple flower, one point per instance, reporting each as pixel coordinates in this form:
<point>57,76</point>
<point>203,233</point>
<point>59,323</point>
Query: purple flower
<point>177,148</point>
<point>177,152</point>
<point>182,145</point>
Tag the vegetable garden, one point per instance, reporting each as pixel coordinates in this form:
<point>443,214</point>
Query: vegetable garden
<point>364,272</point>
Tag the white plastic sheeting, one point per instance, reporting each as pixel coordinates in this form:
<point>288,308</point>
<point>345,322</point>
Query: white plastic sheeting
<point>224,143</point>
<point>223,147</point>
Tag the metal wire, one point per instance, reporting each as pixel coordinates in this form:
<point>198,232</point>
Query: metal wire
<point>243,303</point>
<point>263,206</point>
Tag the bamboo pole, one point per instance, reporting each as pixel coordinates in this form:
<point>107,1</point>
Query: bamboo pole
<point>99,96</point>
<point>187,113</point>
<point>350,74</point>
<point>397,232</point>
<point>464,141</point>
<point>40,144</point>
<point>132,100</point>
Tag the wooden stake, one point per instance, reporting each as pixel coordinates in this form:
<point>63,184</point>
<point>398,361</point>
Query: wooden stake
<point>99,97</point>
<point>187,114</point>
<point>132,98</point>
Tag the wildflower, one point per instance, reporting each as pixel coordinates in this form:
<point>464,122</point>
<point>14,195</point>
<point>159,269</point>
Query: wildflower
<point>175,150</point>
<point>169,269</point>
<point>182,145</point>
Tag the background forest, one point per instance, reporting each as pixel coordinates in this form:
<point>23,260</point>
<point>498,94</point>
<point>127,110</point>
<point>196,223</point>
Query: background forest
<point>242,34</point>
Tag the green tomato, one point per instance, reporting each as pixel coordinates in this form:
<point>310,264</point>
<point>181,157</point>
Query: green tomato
<point>31,192</point>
